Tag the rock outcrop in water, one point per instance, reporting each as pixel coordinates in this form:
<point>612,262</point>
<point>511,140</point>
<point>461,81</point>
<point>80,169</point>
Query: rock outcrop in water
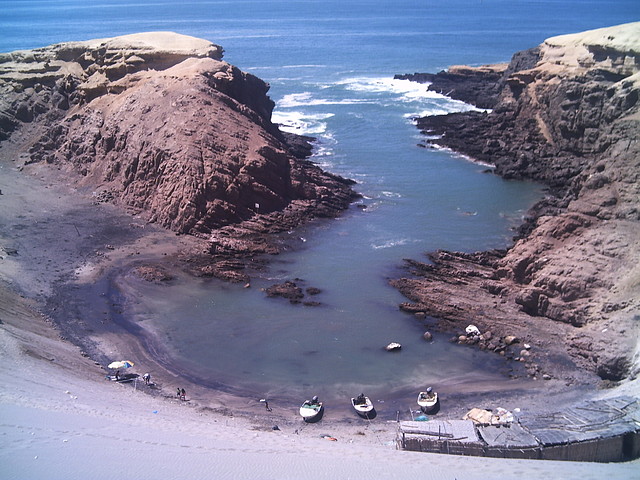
<point>565,113</point>
<point>158,123</point>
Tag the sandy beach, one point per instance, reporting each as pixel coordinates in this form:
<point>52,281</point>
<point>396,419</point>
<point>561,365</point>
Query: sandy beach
<point>63,419</point>
<point>66,255</point>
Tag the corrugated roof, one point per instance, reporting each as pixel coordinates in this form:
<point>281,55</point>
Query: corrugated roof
<point>585,421</point>
<point>513,436</point>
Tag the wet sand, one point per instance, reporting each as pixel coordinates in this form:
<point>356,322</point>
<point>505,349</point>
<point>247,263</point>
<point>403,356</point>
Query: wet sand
<point>54,239</point>
<point>73,253</point>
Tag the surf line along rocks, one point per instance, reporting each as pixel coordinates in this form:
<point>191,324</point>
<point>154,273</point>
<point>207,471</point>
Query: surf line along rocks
<point>564,113</point>
<point>158,124</point>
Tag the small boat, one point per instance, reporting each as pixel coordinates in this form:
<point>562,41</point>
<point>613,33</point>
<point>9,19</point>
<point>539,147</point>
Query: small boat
<point>393,346</point>
<point>363,406</point>
<point>311,410</point>
<point>428,400</point>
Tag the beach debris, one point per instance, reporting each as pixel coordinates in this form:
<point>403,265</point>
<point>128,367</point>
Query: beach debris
<point>511,339</point>
<point>428,336</point>
<point>328,437</point>
<point>275,428</point>
<point>421,418</point>
<point>479,416</point>
<point>393,346</point>
<point>472,331</point>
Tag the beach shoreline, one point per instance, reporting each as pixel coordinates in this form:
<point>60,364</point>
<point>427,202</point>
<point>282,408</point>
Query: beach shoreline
<point>116,244</point>
<point>60,237</point>
<point>57,396</point>
<point>106,334</point>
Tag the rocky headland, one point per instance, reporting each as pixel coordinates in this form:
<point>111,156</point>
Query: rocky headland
<point>158,124</point>
<point>566,114</point>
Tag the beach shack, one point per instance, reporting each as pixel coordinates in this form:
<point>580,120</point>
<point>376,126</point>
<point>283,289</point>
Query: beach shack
<point>606,430</point>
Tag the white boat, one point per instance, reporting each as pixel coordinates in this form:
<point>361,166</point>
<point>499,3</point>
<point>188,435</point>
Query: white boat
<point>363,406</point>
<point>311,410</point>
<point>428,400</point>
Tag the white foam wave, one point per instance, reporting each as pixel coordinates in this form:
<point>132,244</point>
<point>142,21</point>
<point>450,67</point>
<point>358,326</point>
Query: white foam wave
<point>300,122</point>
<point>311,65</point>
<point>426,102</point>
<point>390,243</point>
<point>404,88</point>
<point>306,99</point>
<point>448,105</point>
<point>455,154</point>
<point>391,194</point>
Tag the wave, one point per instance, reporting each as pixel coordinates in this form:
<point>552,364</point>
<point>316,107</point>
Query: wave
<point>389,91</point>
<point>301,123</point>
<point>311,65</point>
<point>306,99</point>
<point>448,105</point>
<point>391,243</point>
<point>403,88</point>
<point>391,194</point>
<point>462,156</point>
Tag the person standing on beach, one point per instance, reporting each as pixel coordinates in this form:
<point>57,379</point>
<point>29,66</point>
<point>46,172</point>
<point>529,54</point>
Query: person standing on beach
<point>147,378</point>
<point>183,395</point>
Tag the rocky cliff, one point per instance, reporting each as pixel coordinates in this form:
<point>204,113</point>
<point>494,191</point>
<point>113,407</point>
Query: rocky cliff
<point>158,123</point>
<point>567,114</point>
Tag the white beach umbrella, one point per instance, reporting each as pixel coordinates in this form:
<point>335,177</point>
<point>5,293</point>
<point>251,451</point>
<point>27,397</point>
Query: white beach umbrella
<point>121,364</point>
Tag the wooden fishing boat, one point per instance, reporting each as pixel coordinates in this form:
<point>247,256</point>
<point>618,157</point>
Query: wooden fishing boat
<point>428,401</point>
<point>311,410</point>
<point>363,406</point>
<point>393,347</point>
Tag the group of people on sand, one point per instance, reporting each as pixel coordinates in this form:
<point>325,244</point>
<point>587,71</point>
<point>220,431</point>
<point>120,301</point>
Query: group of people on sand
<point>181,394</point>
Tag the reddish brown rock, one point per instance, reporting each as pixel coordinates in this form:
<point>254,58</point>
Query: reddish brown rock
<point>567,114</point>
<point>159,124</point>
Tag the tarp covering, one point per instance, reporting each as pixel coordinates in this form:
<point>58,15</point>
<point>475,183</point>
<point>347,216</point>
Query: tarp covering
<point>605,430</point>
<point>585,421</point>
<point>457,430</point>
<point>513,436</point>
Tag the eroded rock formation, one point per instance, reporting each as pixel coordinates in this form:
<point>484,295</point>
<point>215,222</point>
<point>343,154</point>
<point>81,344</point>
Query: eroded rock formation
<point>159,123</point>
<point>565,113</point>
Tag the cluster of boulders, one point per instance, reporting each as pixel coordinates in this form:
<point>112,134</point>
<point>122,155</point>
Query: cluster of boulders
<point>294,293</point>
<point>566,114</point>
<point>152,273</point>
<point>509,346</point>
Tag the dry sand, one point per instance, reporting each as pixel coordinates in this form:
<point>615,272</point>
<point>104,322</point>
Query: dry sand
<point>62,419</point>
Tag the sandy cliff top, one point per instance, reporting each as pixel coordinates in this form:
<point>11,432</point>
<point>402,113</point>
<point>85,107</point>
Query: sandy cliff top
<point>616,49</point>
<point>167,42</point>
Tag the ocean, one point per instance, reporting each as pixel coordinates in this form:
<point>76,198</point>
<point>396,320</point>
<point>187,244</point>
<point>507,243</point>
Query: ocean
<point>330,65</point>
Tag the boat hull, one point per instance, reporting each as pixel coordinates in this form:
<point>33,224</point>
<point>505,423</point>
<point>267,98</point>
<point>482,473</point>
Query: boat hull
<point>311,413</point>
<point>365,410</point>
<point>428,404</point>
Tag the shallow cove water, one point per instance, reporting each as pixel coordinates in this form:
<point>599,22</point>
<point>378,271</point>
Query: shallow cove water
<point>330,64</point>
<point>416,200</point>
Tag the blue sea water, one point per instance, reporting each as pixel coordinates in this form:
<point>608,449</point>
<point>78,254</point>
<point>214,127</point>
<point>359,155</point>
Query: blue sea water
<point>330,65</point>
